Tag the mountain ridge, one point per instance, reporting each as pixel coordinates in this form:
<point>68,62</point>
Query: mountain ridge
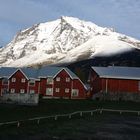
<point>66,39</point>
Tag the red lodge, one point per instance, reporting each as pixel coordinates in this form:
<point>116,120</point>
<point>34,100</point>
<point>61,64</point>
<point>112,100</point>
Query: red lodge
<point>50,82</point>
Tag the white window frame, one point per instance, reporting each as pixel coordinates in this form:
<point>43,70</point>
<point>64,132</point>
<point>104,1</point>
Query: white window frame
<point>13,80</point>
<point>23,80</point>
<point>32,83</point>
<point>67,90</point>
<point>49,91</point>
<point>67,79</point>
<point>57,90</point>
<point>3,81</point>
<point>12,90</point>
<point>31,91</point>
<point>49,80</point>
<point>57,79</point>
<point>75,92</point>
<point>22,90</point>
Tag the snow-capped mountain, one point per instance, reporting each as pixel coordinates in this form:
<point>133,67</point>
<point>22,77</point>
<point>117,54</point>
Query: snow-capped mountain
<point>64,40</point>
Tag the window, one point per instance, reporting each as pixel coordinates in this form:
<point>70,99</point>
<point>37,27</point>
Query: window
<point>57,90</point>
<point>31,82</point>
<point>66,90</point>
<point>22,91</point>
<point>49,80</point>
<point>5,81</point>
<point>32,91</point>
<point>67,79</point>
<point>4,90</point>
<point>57,78</point>
<point>49,91</point>
<point>23,80</point>
<point>13,80</point>
<point>12,90</point>
<point>75,92</point>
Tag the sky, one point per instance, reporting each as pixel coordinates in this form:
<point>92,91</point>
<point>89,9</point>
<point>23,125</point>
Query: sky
<point>16,15</point>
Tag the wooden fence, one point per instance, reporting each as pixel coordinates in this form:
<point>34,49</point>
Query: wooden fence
<point>69,115</point>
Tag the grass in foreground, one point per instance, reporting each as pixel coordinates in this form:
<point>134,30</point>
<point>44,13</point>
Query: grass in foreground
<point>98,126</point>
<point>104,125</point>
<point>9,112</point>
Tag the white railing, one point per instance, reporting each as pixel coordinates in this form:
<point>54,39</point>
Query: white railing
<point>69,115</point>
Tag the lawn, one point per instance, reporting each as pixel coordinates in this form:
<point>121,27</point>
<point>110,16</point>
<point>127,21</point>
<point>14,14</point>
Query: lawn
<point>98,126</point>
<point>10,112</point>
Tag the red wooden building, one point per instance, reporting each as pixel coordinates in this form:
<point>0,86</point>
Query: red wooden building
<point>50,82</point>
<point>115,82</point>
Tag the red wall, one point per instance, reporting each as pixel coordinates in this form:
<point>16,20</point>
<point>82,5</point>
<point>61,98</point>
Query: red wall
<point>82,91</point>
<point>120,85</point>
<point>18,84</point>
<point>95,83</point>
<point>35,87</point>
<point>44,85</point>
<point>43,82</point>
<point>2,86</point>
<point>62,85</point>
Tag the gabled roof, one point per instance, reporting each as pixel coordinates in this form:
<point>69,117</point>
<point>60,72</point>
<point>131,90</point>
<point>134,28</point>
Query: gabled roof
<point>34,72</point>
<point>30,72</point>
<point>7,71</point>
<point>118,72</point>
<point>73,75</point>
<point>48,71</point>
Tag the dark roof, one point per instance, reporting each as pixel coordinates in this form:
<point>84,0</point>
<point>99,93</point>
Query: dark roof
<point>6,71</point>
<point>118,72</point>
<point>30,72</point>
<point>49,71</point>
<point>73,75</point>
<point>34,72</point>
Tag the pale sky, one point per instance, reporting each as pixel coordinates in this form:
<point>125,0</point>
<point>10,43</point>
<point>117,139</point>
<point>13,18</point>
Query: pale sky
<point>122,15</point>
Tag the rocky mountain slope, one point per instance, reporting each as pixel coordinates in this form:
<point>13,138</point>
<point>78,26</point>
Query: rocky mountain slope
<point>64,40</point>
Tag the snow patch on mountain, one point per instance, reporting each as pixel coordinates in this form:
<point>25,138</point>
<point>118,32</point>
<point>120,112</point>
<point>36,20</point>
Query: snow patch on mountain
<point>64,40</point>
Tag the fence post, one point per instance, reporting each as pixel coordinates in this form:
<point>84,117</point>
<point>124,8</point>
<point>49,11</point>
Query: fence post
<point>138,113</point>
<point>101,111</point>
<point>38,121</point>
<point>69,116</point>
<point>18,124</point>
<point>81,114</point>
<point>120,112</point>
<point>55,117</point>
<point>91,113</point>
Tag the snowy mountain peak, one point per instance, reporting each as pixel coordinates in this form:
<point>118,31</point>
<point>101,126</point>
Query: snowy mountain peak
<point>66,39</point>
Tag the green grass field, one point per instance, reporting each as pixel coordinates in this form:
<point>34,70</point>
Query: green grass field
<point>10,112</point>
<point>77,127</point>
